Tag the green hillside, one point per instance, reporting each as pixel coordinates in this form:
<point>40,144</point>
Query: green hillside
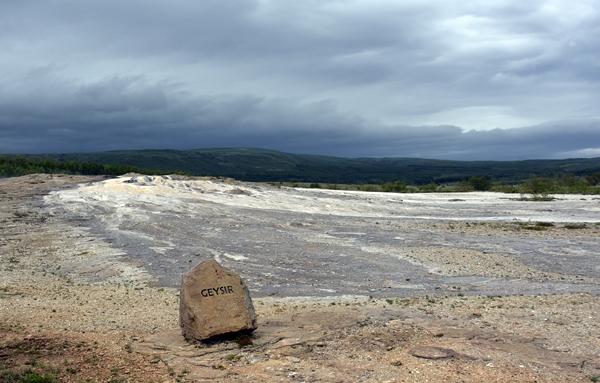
<point>268,165</point>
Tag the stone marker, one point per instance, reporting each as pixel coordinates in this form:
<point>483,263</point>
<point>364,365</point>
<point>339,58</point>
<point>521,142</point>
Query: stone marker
<point>214,301</point>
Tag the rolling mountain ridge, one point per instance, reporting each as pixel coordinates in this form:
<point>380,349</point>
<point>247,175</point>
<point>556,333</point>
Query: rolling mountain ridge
<point>262,165</point>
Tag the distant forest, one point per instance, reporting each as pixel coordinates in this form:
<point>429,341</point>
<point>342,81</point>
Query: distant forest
<point>261,165</point>
<point>21,165</point>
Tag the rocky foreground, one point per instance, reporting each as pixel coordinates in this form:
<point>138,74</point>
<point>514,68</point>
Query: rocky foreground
<point>71,309</point>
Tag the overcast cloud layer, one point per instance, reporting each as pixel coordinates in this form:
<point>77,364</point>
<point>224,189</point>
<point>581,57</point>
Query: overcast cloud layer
<point>499,80</point>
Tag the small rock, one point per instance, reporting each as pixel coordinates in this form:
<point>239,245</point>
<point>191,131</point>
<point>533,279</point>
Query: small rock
<point>238,192</point>
<point>428,352</point>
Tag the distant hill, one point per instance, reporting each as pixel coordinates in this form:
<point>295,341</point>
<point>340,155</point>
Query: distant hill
<point>249,164</point>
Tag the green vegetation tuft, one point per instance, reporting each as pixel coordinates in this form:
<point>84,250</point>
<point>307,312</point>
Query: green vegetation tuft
<point>575,226</point>
<point>533,227</point>
<point>396,187</point>
<point>480,183</point>
<point>28,376</point>
<point>538,226</point>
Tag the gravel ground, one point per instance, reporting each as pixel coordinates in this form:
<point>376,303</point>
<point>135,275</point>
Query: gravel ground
<point>80,300</point>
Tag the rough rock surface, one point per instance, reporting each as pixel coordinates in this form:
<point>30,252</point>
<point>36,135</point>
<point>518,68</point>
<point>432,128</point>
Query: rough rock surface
<point>214,301</point>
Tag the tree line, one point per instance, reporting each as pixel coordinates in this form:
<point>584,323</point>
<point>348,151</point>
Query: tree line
<point>15,166</point>
<point>535,186</point>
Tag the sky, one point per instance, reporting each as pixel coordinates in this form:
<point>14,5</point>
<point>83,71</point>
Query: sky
<point>444,79</point>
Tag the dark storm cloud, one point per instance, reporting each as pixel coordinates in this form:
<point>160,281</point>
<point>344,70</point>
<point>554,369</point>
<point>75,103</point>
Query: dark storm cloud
<point>350,78</point>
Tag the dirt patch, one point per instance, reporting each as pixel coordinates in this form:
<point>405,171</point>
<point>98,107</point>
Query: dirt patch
<point>75,357</point>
